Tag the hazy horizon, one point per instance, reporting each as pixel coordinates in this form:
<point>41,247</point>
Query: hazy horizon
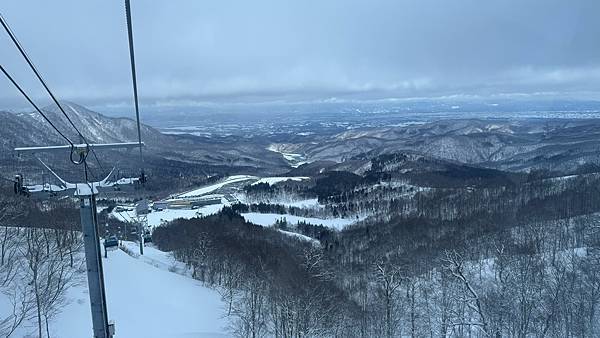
<point>197,54</point>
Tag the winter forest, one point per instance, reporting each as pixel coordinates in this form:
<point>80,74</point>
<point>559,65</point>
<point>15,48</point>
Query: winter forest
<point>294,169</point>
<point>519,262</point>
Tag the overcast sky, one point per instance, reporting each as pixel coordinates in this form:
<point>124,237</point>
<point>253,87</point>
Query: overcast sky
<point>237,51</point>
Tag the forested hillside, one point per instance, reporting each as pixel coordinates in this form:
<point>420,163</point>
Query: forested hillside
<point>516,257</point>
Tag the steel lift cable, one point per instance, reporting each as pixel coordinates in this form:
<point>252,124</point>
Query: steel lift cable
<point>36,72</point>
<point>12,80</point>
<point>135,91</point>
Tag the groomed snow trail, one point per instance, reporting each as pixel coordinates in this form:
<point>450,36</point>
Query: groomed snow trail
<point>147,301</point>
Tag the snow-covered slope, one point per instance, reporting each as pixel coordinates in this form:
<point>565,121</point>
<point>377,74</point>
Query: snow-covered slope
<point>270,219</point>
<point>145,300</point>
<point>275,180</point>
<point>157,218</point>
<point>95,127</point>
<point>213,187</point>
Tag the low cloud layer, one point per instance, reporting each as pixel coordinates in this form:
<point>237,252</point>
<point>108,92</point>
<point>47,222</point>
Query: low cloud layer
<point>236,51</point>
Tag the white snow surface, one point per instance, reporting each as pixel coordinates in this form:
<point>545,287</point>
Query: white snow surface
<point>300,236</point>
<point>270,219</point>
<point>274,180</point>
<point>287,200</point>
<point>311,203</point>
<point>156,218</point>
<point>145,300</point>
<point>293,159</point>
<point>210,188</point>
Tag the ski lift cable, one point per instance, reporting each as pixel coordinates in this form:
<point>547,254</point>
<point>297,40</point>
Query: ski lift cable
<point>10,78</point>
<point>35,71</point>
<point>97,160</point>
<point>86,171</point>
<point>125,217</point>
<point>90,171</point>
<point>134,78</point>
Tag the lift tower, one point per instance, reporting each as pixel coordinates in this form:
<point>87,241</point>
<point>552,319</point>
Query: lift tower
<point>86,192</point>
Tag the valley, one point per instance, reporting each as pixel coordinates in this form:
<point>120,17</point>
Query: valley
<point>325,228</point>
<point>294,169</point>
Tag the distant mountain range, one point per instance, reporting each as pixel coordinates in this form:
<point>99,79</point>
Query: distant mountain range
<point>562,145</point>
<point>205,155</point>
<point>517,145</point>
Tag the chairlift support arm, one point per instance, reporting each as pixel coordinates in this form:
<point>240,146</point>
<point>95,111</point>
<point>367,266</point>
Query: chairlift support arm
<point>80,147</point>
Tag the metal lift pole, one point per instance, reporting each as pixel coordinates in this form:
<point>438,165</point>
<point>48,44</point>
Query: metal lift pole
<point>141,232</point>
<point>141,218</point>
<point>93,260</point>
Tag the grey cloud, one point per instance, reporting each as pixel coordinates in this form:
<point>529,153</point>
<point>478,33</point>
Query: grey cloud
<point>230,50</point>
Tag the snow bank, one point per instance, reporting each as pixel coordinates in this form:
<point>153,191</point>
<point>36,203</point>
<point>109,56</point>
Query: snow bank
<point>146,301</point>
<point>311,203</point>
<point>300,236</point>
<point>270,219</point>
<point>156,218</point>
<point>274,180</point>
<point>293,159</point>
<point>213,187</point>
